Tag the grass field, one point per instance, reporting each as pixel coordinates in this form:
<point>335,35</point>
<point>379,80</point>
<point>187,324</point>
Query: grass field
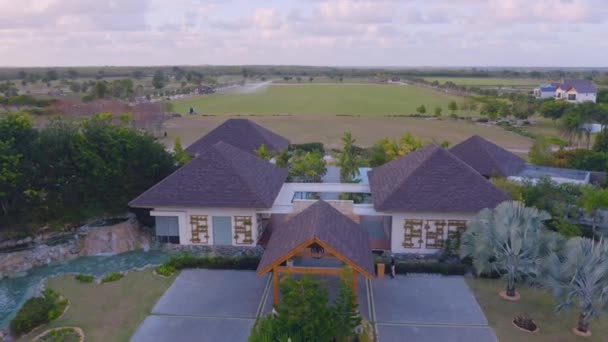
<point>366,129</point>
<point>538,305</point>
<point>107,312</point>
<point>321,99</point>
<point>488,81</point>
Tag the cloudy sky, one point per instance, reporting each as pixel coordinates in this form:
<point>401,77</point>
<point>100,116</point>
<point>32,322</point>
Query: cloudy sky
<point>306,32</point>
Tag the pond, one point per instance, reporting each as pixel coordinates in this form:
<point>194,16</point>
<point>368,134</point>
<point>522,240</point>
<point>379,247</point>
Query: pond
<point>15,291</point>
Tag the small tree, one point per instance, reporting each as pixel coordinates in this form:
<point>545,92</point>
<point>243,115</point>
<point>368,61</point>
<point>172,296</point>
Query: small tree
<point>346,315</point>
<point>453,107</point>
<point>421,109</point>
<point>593,201</point>
<point>181,157</point>
<point>308,166</point>
<point>264,153</point>
<point>438,111</point>
<point>510,240</point>
<point>283,158</point>
<point>347,160</point>
<point>580,278</point>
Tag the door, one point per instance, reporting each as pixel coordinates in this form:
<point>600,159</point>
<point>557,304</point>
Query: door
<point>222,230</point>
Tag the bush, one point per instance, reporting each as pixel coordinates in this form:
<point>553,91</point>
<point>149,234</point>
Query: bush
<point>84,278</point>
<point>61,335</point>
<point>188,260</point>
<point>37,311</point>
<point>112,277</point>
<point>165,270</point>
<point>308,147</point>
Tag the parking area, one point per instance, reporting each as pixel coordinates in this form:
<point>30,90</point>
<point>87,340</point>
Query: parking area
<point>222,305</point>
<point>206,305</point>
<point>428,308</point>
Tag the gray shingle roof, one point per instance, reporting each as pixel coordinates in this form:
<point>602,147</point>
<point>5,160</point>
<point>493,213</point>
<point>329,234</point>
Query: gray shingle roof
<point>325,223</point>
<point>431,179</point>
<point>581,86</point>
<point>222,176</point>
<point>241,133</point>
<point>487,158</point>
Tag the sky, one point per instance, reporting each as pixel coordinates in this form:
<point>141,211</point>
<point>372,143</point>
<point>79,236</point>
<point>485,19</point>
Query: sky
<point>566,33</point>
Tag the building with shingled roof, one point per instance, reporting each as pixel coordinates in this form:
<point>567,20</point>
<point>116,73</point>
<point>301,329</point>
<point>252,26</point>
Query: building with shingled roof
<point>229,196</point>
<point>241,133</point>
<point>488,158</point>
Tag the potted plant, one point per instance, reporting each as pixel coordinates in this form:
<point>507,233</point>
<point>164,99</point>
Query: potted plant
<point>526,324</point>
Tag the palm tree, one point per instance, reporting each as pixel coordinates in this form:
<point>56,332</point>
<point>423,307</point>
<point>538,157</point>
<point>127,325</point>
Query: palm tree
<point>510,240</point>
<point>580,277</point>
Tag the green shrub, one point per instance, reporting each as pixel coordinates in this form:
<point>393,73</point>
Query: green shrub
<point>84,278</point>
<point>308,147</point>
<point>430,267</point>
<point>187,260</point>
<point>165,270</point>
<point>61,335</point>
<point>112,277</point>
<point>37,311</point>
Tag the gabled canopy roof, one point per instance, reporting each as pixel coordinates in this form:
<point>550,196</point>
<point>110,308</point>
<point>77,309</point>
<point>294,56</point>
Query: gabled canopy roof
<point>241,133</point>
<point>223,176</point>
<point>487,158</point>
<point>434,180</point>
<point>581,86</point>
<point>322,224</point>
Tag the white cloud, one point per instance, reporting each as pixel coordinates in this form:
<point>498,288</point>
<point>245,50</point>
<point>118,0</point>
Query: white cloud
<point>363,32</point>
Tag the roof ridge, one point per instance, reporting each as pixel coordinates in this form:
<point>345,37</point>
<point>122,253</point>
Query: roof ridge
<point>235,168</point>
<point>433,146</point>
<point>485,145</point>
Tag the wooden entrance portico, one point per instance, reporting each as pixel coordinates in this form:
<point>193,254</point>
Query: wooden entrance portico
<point>318,232</point>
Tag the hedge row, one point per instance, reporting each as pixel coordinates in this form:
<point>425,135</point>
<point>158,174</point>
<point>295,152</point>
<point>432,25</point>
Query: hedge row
<point>187,260</point>
<point>429,267</point>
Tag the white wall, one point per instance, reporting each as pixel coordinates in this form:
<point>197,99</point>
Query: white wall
<point>398,231</point>
<point>185,231</point>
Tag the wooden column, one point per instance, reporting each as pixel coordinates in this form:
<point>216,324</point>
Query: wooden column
<point>355,289</point>
<point>275,286</point>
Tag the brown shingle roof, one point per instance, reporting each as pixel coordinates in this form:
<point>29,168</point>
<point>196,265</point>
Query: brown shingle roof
<point>241,133</point>
<point>431,179</point>
<point>487,158</point>
<point>223,176</point>
<point>323,222</point>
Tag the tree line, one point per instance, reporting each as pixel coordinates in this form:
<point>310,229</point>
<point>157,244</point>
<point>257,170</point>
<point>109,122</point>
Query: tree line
<point>71,171</point>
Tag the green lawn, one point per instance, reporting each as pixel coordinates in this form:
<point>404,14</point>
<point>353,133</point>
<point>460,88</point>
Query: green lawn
<point>537,304</point>
<point>107,312</point>
<point>488,81</point>
<point>322,99</point>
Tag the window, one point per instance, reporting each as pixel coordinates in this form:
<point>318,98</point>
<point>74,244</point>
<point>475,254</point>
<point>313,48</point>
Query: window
<point>167,229</point>
<point>571,97</point>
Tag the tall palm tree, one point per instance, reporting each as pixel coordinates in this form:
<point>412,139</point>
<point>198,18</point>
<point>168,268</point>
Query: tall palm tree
<point>510,240</point>
<point>580,277</point>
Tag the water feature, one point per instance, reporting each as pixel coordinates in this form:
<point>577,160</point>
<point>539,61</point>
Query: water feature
<point>15,291</point>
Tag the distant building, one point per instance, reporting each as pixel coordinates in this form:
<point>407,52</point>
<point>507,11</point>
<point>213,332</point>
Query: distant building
<point>575,91</point>
<point>545,91</point>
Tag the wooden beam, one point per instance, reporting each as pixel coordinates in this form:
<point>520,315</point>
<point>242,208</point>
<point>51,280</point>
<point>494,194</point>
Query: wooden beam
<point>309,270</point>
<point>275,284</point>
<point>355,276</point>
<point>344,259</point>
<point>287,256</point>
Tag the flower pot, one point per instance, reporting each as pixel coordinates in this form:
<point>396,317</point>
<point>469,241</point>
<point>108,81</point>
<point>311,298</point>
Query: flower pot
<point>380,270</point>
<point>580,333</point>
<point>526,330</point>
<point>503,295</point>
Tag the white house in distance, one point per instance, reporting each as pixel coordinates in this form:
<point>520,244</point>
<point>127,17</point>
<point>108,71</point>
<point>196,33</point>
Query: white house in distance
<point>575,91</point>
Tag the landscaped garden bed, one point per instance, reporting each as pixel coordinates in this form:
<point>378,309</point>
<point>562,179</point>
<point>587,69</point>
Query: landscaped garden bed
<point>38,311</point>
<point>63,334</point>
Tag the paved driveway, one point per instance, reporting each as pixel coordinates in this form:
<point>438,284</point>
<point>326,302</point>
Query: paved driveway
<point>222,305</point>
<point>206,305</point>
<point>428,308</point>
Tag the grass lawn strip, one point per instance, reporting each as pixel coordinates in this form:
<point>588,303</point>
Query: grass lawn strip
<point>108,312</point>
<point>538,305</point>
